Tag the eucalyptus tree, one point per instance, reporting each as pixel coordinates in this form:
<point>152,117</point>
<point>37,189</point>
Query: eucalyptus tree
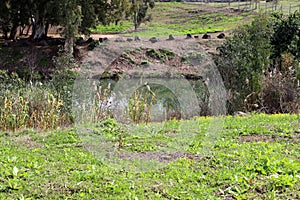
<point>118,10</point>
<point>139,10</point>
<point>73,16</point>
<point>5,15</point>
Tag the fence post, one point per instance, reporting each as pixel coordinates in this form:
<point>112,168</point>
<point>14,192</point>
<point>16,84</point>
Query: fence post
<point>290,8</point>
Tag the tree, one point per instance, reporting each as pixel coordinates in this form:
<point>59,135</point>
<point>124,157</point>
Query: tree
<point>5,21</point>
<point>139,11</point>
<point>242,60</point>
<point>75,16</point>
<point>71,20</point>
<point>119,9</point>
<point>286,37</point>
<point>13,17</point>
<point>260,63</point>
<point>41,16</point>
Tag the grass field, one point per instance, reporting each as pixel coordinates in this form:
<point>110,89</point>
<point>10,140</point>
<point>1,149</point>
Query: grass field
<point>197,18</point>
<point>282,6</point>
<point>251,158</point>
<point>180,19</point>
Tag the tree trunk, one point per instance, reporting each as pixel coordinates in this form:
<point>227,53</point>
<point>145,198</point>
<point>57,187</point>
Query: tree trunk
<point>5,33</point>
<point>135,21</point>
<point>13,33</point>
<point>46,29</point>
<point>69,45</point>
<point>38,31</point>
<point>38,27</point>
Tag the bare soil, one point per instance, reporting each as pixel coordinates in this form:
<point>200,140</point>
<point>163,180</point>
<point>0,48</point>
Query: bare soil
<point>293,138</point>
<point>158,156</point>
<point>181,56</point>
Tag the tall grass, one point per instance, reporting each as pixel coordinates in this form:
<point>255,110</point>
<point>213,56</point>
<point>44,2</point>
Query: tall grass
<point>30,105</point>
<point>140,104</point>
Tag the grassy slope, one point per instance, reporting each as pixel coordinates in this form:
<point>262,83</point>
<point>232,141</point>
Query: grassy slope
<point>284,6</point>
<point>181,18</point>
<point>255,157</point>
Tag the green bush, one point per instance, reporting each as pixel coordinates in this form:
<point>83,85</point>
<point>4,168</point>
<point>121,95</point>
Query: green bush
<point>286,36</point>
<point>242,60</point>
<point>259,56</point>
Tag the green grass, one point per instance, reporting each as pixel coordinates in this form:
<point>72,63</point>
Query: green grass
<point>283,6</point>
<point>256,157</point>
<point>112,28</point>
<point>196,18</point>
<point>179,19</point>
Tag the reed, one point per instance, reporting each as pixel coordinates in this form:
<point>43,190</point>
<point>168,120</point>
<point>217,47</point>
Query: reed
<point>140,104</point>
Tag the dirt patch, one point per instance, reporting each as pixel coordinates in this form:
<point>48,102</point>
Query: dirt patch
<point>26,142</point>
<point>163,157</point>
<point>178,57</point>
<point>293,138</point>
<point>155,61</point>
<point>33,59</point>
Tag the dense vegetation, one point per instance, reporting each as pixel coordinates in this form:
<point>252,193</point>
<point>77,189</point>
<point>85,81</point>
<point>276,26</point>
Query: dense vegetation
<point>73,16</point>
<point>260,65</point>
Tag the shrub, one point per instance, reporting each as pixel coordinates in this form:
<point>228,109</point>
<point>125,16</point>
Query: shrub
<point>281,91</point>
<point>286,36</point>
<point>260,65</point>
<point>242,60</point>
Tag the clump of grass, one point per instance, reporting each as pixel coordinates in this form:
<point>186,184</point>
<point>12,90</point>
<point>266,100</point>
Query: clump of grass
<point>112,28</point>
<point>92,106</point>
<point>152,53</point>
<point>93,45</point>
<point>30,105</point>
<point>45,110</point>
<point>160,54</point>
<point>103,102</point>
<point>140,104</point>
<point>31,108</point>
<point>113,131</point>
<point>14,112</point>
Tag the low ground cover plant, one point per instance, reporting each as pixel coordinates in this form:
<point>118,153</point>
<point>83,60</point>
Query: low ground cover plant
<point>254,157</point>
